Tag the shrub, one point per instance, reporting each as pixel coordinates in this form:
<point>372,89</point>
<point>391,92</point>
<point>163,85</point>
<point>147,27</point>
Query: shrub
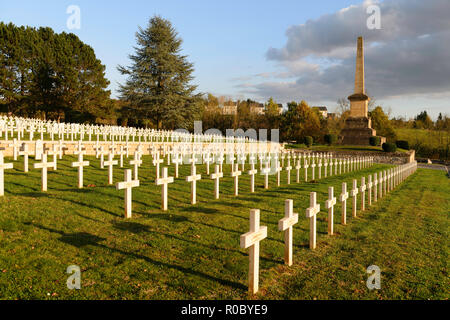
<point>330,139</point>
<point>389,147</point>
<point>308,141</point>
<point>375,141</point>
<point>403,144</point>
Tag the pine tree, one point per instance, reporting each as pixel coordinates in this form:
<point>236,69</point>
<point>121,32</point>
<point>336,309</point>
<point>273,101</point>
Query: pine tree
<point>158,84</point>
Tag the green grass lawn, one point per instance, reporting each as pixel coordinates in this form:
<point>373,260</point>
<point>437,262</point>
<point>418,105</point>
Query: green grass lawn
<point>192,251</point>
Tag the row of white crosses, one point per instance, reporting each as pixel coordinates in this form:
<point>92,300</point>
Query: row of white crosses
<point>17,126</point>
<point>385,180</point>
<point>392,177</point>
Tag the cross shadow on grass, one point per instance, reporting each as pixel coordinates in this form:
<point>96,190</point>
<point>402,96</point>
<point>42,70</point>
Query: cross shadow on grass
<point>132,227</point>
<point>81,239</point>
<point>200,209</point>
<point>166,216</point>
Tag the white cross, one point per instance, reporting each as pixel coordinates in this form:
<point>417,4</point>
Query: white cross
<point>164,181</point>
<point>251,240</point>
<point>16,145</point>
<point>369,189</point>
<point>380,185</point>
<point>266,172</point>
<point>216,176</point>
<point>25,154</point>
<point>136,162</point>
<point>112,148</point>
<point>331,167</point>
<point>329,204</point>
<point>320,169</point>
<point>38,150</point>
<point>80,164</point>
<point>288,169</point>
<point>311,213</point>
<point>44,166</point>
<point>61,148</point>
<point>297,167</point>
<point>278,170</point>
<point>121,153</point>
<point>79,148</point>
<point>236,173</point>
<point>193,180</point>
<point>252,173</point>
<point>102,157</point>
<point>306,166</point>
<point>3,166</point>
<point>343,199</point>
<point>156,162</point>
<point>110,163</point>
<point>177,160</point>
<point>354,194</point>
<point>362,189</point>
<point>208,160</point>
<point>285,224</point>
<point>375,187</point>
<point>128,184</point>
<point>242,159</point>
<point>325,165</point>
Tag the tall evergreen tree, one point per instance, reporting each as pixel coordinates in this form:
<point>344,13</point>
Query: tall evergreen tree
<point>158,84</point>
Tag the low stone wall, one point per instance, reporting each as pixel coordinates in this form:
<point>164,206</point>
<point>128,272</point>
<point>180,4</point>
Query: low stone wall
<point>89,146</point>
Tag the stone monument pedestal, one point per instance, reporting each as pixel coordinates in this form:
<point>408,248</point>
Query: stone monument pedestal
<point>357,131</point>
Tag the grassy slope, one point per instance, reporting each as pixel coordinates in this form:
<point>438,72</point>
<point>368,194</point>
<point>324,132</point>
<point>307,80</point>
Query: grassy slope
<point>193,251</point>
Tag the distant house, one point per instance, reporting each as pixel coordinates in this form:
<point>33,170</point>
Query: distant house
<point>229,108</point>
<point>280,108</point>
<point>331,115</point>
<point>322,110</point>
<point>257,108</point>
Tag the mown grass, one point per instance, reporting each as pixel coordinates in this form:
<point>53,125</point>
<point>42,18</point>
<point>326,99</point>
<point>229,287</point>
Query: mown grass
<point>192,251</point>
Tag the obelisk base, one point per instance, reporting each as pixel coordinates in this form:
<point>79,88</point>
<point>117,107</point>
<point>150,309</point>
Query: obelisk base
<point>357,131</point>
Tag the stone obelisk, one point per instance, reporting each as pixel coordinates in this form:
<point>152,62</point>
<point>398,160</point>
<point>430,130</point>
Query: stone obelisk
<point>358,128</point>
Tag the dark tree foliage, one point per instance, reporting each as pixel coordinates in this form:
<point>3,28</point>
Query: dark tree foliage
<point>158,84</point>
<point>51,75</point>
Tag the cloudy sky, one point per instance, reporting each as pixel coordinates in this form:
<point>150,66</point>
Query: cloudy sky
<point>407,60</point>
<point>287,49</point>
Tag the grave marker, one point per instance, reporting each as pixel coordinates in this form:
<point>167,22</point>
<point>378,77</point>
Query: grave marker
<point>216,176</point>
<point>329,204</point>
<point>80,164</point>
<point>354,194</point>
<point>235,174</point>
<point>44,166</point>
<point>164,181</point>
<point>3,166</point>
<point>251,240</point>
<point>110,163</point>
<point>311,213</point>
<point>128,185</point>
<point>343,199</point>
<point>286,224</point>
<point>193,180</point>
